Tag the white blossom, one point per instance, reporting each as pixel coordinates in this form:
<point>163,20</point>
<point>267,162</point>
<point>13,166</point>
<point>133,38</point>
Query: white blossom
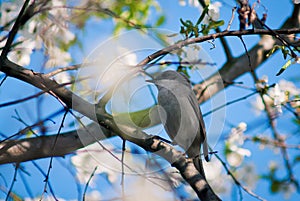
<point>276,96</point>
<point>93,196</point>
<point>234,143</point>
<point>289,87</point>
<point>296,1</point>
<point>290,188</point>
<point>63,77</point>
<point>9,11</point>
<point>262,83</point>
<point>21,52</point>
<point>182,2</point>
<point>194,3</point>
<point>50,32</point>
<point>57,57</point>
<point>247,175</point>
<point>258,105</point>
<point>214,10</point>
<point>174,176</point>
<point>45,198</point>
<point>85,163</point>
<point>272,165</point>
<point>90,196</point>
<point>118,71</point>
<point>279,98</point>
<point>191,53</point>
<point>216,176</point>
<point>142,188</point>
<point>236,134</point>
<point>267,42</point>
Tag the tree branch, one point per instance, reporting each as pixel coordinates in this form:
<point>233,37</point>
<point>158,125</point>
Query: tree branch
<point>225,45</point>
<point>11,36</point>
<point>24,149</point>
<point>189,41</point>
<point>228,73</point>
<point>238,66</point>
<point>67,68</point>
<point>280,139</point>
<point>236,181</point>
<point>19,150</point>
<point>16,151</point>
<point>44,83</point>
<point>186,168</point>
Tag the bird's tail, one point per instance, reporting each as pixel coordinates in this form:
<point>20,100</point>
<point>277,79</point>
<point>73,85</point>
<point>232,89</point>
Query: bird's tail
<point>205,150</point>
<point>199,166</point>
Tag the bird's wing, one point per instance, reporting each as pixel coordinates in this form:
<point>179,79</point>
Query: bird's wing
<point>193,101</point>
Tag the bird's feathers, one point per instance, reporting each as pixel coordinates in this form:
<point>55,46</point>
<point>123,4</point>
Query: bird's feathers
<point>183,119</point>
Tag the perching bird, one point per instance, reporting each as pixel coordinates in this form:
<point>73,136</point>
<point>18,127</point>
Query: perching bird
<point>181,115</point>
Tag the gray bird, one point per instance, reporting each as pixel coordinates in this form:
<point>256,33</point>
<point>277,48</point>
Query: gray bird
<point>180,114</point>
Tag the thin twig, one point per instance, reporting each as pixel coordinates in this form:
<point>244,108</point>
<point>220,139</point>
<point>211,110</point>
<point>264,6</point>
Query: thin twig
<point>122,166</point>
<point>277,137</point>
<point>275,143</point>
<point>18,117</point>
<point>44,174</point>
<point>14,31</point>
<point>70,168</point>
<point>225,47</point>
<point>239,85</point>
<point>87,183</point>
<point>189,41</point>
<point>68,68</point>
<point>33,96</point>
<point>53,146</point>
<point>286,107</point>
<point>281,39</point>
<point>249,59</point>
<point>167,63</point>
<point>112,154</point>
<point>229,103</point>
<point>13,182</point>
<point>3,80</point>
<point>231,19</point>
<point>28,128</point>
<point>26,185</point>
<point>247,190</point>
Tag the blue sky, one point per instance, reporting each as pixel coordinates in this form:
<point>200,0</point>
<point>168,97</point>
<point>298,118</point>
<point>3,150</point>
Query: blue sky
<point>63,180</point>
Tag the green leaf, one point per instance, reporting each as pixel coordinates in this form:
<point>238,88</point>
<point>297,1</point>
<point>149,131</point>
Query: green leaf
<point>275,186</point>
<point>205,11</point>
<point>297,159</point>
<point>296,121</point>
<point>182,30</point>
<point>205,29</point>
<point>183,70</point>
<point>285,52</point>
<point>196,31</point>
<point>284,67</point>
<point>160,20</point>
<point>215,24</point>
<point>29,133</point>
<point>276,47</point>
<point>140,118</point>
<point>183,22</point>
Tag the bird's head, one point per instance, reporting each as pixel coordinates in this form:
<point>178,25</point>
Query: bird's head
<point>162,78</point>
